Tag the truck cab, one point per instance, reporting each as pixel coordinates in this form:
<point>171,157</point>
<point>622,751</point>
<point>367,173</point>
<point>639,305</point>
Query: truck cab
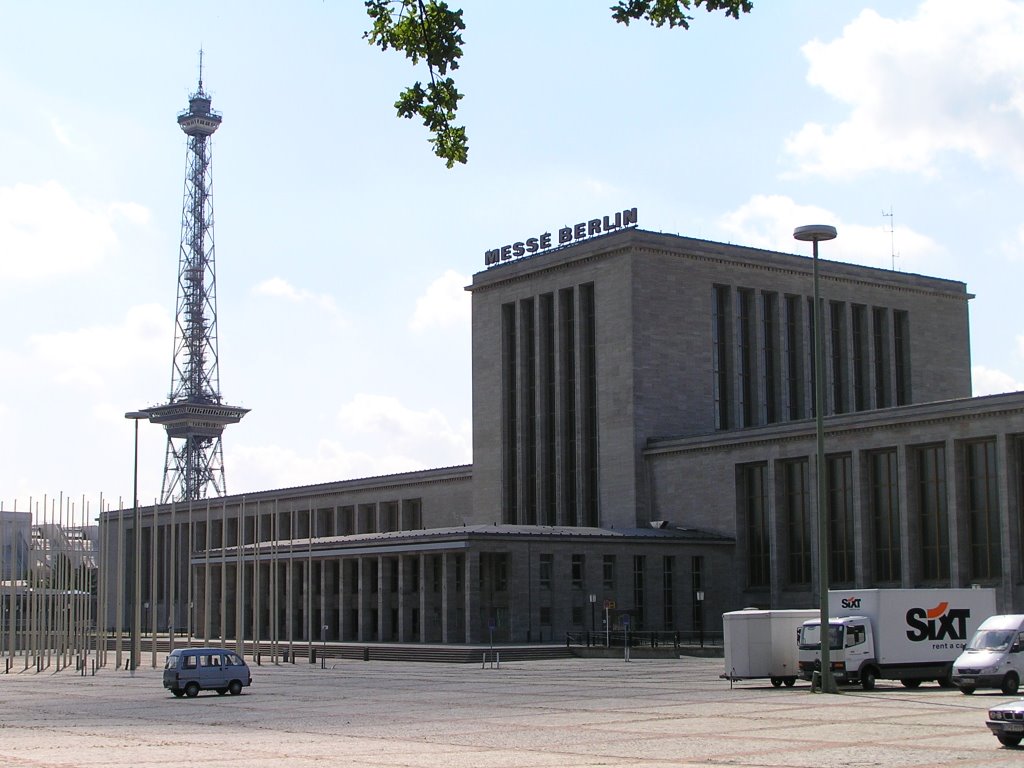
<point>851,650</point>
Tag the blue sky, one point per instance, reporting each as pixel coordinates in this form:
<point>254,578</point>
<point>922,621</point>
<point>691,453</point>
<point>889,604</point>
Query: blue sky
<point>343,244</point>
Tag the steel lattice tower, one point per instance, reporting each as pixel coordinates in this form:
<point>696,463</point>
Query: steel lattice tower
<point>195,415</point>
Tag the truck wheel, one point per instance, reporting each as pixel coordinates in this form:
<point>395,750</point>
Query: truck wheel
<point>867,678</point>
<point>1007,740</point>
<point>911,683</point>
<point>1010,683</point>
<point>967,690</point>
<point>776,682</point>
<point>790,682</point>
<point>946,682</point>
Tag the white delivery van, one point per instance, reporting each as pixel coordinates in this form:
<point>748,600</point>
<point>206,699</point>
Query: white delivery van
<point>190,670</point>
<point>910,635</point>
<point>761,644</point>
<point>994,658</point>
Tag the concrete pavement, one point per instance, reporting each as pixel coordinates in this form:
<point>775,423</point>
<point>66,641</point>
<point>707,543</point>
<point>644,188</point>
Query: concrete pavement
<point>540,714</point>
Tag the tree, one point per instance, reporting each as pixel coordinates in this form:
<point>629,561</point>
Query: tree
<point>431,32</point>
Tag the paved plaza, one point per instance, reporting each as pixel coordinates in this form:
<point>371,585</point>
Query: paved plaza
<point>539,714</point>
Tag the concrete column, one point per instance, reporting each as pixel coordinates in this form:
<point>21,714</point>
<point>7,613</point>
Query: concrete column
<point>471,593</point>
<point>421,564</point>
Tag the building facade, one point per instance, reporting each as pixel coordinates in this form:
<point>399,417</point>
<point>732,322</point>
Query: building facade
<point>643,436</point>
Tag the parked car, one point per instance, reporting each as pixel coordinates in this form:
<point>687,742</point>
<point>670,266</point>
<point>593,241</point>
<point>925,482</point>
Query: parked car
<point>1007,722</point>
<point>190,670</point>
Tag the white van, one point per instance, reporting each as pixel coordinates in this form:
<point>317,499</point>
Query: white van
<point>190,670</point>
<point>994,657</point>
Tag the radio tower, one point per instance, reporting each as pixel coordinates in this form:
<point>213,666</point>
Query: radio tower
<point>195,415</point>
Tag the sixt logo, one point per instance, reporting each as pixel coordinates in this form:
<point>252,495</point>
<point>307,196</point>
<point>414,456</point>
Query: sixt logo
<point>938,623</point>
<point>850,602</point>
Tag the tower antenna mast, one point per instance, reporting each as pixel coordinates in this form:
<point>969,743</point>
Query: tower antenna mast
<point>195,414</point>
<point>892,235</point>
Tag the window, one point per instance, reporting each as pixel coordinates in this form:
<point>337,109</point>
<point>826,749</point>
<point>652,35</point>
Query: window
<point>577,571</point>
<point>771,356</point>
<point>608,572</point>
<point>837,337</point>
<point>860,357</point>
<point>901,343</point>
<point>983,509</point>
<point>880,334</point>
<point>797,515</point>
<point>546,566</point>
<point>577,615</point>
<point>545,615</point>
<point>840,507</point>
<point>639,565</point>
<point>189,662</point>
<point>754,510</point>
<point>794,358</point>
<point>884,501</point>
<point>667,593</point>
<point>932,513</point>
<point>747,374</point>
<point>721,349</point>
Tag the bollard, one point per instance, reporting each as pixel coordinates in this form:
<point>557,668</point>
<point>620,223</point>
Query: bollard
<point>366,654</point>
<point>498,658</point>
<point>483,660</point>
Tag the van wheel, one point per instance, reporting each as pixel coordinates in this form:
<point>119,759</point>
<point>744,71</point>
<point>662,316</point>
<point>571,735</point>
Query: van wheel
<point>967,690</point>
<point>867,679</point>
<point>1007,740</point>
<point>192,690</point>
<point>911,683</point>
<point>178,693</point>
<point>235,687</point>
<point>1010,683</point>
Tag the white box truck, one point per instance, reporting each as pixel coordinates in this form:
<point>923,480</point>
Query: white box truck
<point>761,644</point>
<point>994,657</point>
<point>910,635</point>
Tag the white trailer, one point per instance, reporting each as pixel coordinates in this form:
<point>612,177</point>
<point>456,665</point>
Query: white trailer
<point>910,635</point>
<point>762,644</point>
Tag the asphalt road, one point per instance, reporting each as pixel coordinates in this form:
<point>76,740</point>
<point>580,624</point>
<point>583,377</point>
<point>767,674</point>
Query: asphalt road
<point>593,712</point>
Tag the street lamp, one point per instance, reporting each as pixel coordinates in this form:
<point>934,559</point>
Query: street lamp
<point>816,233</point>
<point>136,582</point>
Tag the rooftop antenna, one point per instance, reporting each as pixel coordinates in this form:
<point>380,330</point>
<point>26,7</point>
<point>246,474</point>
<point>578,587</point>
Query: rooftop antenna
<point>892,235</point>
<point>200,70</point>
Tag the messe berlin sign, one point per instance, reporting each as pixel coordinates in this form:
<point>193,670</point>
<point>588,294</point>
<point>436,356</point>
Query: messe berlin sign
<point>566,235</point>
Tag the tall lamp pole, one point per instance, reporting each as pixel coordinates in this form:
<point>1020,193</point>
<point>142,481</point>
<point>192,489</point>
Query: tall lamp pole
<point>135,583</point>
<point>816,233</point>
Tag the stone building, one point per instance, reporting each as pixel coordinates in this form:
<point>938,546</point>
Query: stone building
<point>643,436</point>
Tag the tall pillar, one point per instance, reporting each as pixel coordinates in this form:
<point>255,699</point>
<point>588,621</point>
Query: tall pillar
<point>471,594</point>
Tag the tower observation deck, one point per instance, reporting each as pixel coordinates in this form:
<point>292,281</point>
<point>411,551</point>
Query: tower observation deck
<point>195,414</point>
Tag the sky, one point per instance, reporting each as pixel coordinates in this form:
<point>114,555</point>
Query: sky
<point>343,245</point>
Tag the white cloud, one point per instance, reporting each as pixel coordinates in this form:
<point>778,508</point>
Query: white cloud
<point>277,287</point>
<point>425,437</point>
<point>446,304</point>
<point>379,436</point>
<point>45,232</point>
<point>950,79</point>
<point>60,132</point>
<point>768,221</point>
<point>89,358</point>
<point>989,381</point>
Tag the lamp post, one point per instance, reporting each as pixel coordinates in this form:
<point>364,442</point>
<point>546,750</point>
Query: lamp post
<point>816,233</point>
<point>135,583</point>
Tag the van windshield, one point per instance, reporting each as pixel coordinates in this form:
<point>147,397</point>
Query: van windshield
<point>172,662</point>
<point>991,640</point>
<point>810,637</point>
